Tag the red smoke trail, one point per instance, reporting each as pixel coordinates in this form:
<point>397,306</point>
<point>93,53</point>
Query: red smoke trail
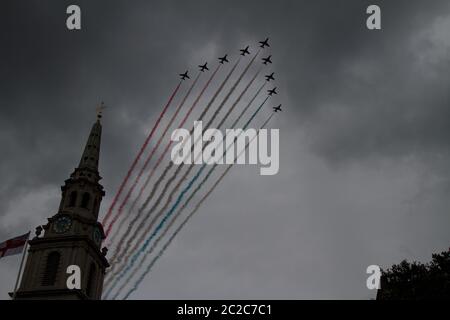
<point>169,182</point>
<point>210,121</point>
<point>136,160</point>
<point>170,165</point>
<point>185,175</point>
<point>161,157</point>
<point>191,196</point>
<point>205,110</point>
<point>149,157</point>
<point>177,231</point>
<point>158,162</point>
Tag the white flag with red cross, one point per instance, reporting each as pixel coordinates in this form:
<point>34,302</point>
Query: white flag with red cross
<point>14,245</point>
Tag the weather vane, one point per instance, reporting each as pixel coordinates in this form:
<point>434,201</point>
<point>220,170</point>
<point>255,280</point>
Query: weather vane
<point>99,110</point>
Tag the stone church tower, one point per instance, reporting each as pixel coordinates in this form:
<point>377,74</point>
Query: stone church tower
<point>73,236</point>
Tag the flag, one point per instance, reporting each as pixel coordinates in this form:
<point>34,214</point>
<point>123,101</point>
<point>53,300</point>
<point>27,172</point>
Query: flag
<point>14,245</point>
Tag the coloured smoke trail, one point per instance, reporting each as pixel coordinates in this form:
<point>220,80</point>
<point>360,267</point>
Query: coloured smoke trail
<point>161,178</point>
<point>138,156</point>
<point>174,218</point>
<point>155,186</point>
<point>219,126</point>
<point>150,156</point>
<point>183,223</point>
<point>249,104</point>
<point>175,189</point>
<point>170,212</point>
<point>164,191</point>
<point>158,162</point>
<point>181,180</point>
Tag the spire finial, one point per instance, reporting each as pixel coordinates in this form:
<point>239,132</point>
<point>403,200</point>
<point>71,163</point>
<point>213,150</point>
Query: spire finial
<point>99,110</point>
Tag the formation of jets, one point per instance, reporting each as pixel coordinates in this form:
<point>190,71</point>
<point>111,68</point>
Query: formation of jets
<point>244,52</point>
<point>270,76</point>
<point>224,59</point>
<point>272,91</point>
<point>203,67</point>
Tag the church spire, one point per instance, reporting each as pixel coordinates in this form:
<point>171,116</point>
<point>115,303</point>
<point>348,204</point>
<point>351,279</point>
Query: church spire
<point>91,153</point>
<point>72,236</point>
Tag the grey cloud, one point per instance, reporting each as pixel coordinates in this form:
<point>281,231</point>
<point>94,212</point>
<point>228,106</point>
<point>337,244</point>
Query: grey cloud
<point>364,134</point>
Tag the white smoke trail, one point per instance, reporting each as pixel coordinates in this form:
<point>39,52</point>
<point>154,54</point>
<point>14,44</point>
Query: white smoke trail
<point>175,233</point>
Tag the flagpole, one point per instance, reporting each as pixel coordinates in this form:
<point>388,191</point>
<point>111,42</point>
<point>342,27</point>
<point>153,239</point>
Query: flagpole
<point>24,252</point>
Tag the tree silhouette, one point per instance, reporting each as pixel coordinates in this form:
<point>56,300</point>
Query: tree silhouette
<point>417,281</point>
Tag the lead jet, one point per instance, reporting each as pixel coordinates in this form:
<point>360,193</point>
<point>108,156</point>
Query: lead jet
<point>270,76</point>
<point>244,51</point>
<point>267,60</point>
<point>223,59</point>
<point>264,43</point>
<point>184,75</point>
<point>276,109</point>
<point>203,67</point>
<point>272,91</point>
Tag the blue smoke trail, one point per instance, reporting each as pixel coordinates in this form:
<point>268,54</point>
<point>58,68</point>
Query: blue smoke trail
<point>126,239</point>
<point>186,202</point>
<point>175,233</point>
<point>170,212</point>
<point>139,229</point>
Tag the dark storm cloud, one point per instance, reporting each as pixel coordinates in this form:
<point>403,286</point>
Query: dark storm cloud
<point>351,96</point>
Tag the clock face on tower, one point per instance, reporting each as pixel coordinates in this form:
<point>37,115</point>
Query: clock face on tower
<point>62,224</point>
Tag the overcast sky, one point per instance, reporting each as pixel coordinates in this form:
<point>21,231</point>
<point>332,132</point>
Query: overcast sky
<point>364,136</point>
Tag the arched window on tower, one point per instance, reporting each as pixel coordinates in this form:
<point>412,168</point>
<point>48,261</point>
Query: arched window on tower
<point>85,200</point>
<point>51,269</point>
<point>91,281</point>
<point>73,199</point>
